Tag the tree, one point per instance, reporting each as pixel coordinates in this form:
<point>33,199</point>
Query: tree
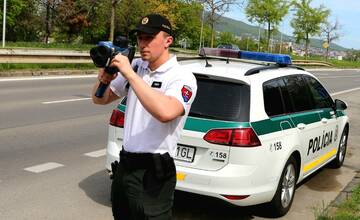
<point>50,7</point>
<point>112,19</point>
<point>99,22</point>
<point>329,31</point>
<point>270,12</point>
<point>73,17</point>
<point>188,22</point>
<point>227,38</point>
<point>18,28</point>
<point>216,9</point>
<point>127,17</point>
<point>307,21</point>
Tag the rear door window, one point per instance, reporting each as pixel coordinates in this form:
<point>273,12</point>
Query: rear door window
<point>273,98</point>
<point>221,100</point>
<point>299,93</point>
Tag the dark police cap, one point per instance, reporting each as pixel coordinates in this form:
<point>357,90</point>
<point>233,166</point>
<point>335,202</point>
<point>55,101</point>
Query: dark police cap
<point>153,24</point>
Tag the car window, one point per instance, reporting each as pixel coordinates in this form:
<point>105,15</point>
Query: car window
<point>299,93</point>
<point>221,100</point>
<point>273,98</point>
<point>288,104</point>
<point>321,97</point>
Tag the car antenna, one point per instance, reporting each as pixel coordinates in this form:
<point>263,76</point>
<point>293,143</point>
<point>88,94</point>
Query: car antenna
<point>202,52</point>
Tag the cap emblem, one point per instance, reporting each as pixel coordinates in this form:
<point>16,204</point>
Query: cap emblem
<point>145,20</point>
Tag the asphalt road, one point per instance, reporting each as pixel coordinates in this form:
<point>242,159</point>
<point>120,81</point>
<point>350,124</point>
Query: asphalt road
<point>52,141</point>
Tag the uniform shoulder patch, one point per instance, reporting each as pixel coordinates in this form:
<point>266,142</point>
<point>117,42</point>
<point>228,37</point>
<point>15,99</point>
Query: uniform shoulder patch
<point>186,93</point>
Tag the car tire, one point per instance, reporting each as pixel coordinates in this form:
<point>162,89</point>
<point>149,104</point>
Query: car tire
<point>285,192</point>
<point>340,156</point>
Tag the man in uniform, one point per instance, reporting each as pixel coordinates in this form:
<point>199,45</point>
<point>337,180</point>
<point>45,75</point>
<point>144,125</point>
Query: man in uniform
<point>159,96</point>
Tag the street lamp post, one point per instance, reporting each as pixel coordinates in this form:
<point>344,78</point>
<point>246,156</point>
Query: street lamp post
<point>4,25</point>
<point>259,38</point>
<point>202,27</point>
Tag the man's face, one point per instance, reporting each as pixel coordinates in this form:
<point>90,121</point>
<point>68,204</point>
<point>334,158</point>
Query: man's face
<point>152,46</point>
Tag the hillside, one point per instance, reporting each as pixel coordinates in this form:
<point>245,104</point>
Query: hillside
<point>240,28</point>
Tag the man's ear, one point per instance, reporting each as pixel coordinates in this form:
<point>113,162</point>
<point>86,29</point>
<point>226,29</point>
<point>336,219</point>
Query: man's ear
<point>168,41</point>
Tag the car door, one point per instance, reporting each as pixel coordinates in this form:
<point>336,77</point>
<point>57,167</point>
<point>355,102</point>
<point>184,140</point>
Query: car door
<point>329,122</point>
<point>306,119</point>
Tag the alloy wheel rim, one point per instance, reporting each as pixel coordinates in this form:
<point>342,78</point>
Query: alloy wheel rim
<point>342,148</point>
<point>288,186</point>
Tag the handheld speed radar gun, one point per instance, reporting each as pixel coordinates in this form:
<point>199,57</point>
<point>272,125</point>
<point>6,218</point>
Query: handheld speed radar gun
<point>104,52</point>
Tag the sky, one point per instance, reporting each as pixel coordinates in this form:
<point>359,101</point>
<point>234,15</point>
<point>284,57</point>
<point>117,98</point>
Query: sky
<point>347,12</point>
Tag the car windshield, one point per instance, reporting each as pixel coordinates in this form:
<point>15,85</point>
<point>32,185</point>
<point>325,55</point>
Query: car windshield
<point>228,46</point>
<point>221,100</point>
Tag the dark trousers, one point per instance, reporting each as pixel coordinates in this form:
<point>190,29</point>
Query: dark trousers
<point>138,194</point>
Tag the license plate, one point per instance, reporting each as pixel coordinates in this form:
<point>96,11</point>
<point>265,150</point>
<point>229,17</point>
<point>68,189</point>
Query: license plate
<point>185,153</point>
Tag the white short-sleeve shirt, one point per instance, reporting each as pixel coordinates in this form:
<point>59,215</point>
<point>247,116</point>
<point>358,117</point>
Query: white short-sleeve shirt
<point>142,132</point>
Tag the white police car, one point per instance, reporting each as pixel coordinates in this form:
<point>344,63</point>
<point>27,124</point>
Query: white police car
<point>254,131</point>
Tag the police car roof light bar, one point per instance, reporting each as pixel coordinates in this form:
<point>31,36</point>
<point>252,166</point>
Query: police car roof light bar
<point>280,59</point>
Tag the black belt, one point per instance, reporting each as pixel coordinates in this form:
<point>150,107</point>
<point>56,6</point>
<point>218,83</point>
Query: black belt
<point>162,164</point>
<point>136,161</point>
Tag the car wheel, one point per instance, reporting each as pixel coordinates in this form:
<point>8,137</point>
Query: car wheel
<point>340,156</point>
<point>284,196</point>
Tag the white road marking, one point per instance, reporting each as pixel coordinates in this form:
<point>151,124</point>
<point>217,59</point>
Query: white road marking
<point>43,167</point>
<point>65,100</point>
<point>98,153</point>
<point>345,91</point>
<point>335,77</point>
<point>46,77</point>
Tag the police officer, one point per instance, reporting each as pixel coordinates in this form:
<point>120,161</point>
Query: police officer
<point>159,96</point>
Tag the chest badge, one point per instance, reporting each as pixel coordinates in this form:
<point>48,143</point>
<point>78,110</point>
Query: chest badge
<point>156,84</point>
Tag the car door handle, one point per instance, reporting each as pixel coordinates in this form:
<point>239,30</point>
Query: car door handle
<point>324,120</point>
<point>301,126</point>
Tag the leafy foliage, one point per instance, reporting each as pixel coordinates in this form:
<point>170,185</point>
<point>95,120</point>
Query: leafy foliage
<point>270,12</point>
<point>307,21</point>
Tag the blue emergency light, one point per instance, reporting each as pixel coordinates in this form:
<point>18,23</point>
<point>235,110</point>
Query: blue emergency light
<point>280,59</point>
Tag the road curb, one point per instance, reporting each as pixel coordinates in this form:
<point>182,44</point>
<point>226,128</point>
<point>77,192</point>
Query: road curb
<point>345,193</point>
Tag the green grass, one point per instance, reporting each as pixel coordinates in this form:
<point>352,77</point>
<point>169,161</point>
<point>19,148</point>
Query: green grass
<point>335,63</point>
<point>26,66</point>
<point>348,210</point>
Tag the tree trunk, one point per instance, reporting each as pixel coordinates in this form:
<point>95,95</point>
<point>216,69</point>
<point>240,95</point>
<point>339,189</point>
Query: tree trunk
<point>112,20</point>
<point>268,37</point>
<point>47,22</point>
<point>307,42</point>
<point>327,49</point>
<point>212,21</point>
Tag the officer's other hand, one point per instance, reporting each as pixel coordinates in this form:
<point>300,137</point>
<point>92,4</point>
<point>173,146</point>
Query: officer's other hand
<point>122,63</point>
<point>105,77</point>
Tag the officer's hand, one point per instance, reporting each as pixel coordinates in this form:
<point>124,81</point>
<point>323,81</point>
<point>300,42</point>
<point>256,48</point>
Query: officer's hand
<point>114,166</point>
<point>105,77</point>
<point>122,63</point>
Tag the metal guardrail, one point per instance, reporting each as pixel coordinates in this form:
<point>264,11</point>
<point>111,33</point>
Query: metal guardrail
<point>43,56</point>
<point>63,56</point>
<point>312,63</point>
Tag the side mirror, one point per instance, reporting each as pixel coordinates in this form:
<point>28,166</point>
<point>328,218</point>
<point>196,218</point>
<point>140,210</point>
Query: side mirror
<point>340,105</point>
